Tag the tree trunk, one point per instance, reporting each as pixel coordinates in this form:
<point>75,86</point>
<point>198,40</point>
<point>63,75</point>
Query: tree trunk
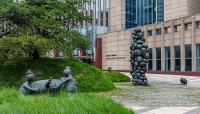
<point>55,53</point>
<point>69,53</point>
<point>35,54</point>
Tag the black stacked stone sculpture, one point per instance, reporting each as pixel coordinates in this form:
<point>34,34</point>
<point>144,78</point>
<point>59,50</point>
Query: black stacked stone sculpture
<point>139,57</point>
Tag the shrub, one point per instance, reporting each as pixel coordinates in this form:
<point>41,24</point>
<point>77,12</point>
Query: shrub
<point>117,77</point>
<point>23,46</point>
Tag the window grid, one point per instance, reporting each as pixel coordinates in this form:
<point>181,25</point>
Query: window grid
<point>198,57</point>
<point>158,59</point>
<point>144,12</point>
<point>167,59</point>
<point>188,58</point>
<point>177,58</point>
<point>150,63</point>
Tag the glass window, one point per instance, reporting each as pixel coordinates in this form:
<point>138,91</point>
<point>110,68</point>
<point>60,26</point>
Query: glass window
<point>188,58</point>
<point>102,4</point>
<point>91,4</point>
<point>167,59</point>
<point>149,32</point>
<point>198,24</point>
<point>97,9</point>
<point>101,22</point>
<point>86,8</point>
<point>107,11</point>
<point>130,13</point>
<point>158,31</point>
<point>158,58</point>
<point>107,4</point>
<point>198,57</point>
<point>144,11</point>
<point>101,13</point>
<point>158,53</point>
<point>177,58</point>
<point>150,63</point>
<point>107,20</point>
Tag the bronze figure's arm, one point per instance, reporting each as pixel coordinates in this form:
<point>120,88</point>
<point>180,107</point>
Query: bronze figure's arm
<point>47,85</point>
<point>31,89</point>
<point>63,82</point>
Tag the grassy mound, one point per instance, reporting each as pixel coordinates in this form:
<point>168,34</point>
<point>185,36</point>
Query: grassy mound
<point>13,103</point>
<point>89,79</point>
<point>117,77</point>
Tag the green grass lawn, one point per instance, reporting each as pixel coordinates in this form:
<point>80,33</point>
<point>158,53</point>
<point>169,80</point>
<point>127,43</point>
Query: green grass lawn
<point>89,79</point>
<point>117,77</point>
<point>13,103</point>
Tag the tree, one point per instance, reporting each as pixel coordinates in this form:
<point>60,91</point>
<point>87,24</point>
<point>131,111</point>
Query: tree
<point>73,40</point>
<point>52,20</point>
<point>23,46</point>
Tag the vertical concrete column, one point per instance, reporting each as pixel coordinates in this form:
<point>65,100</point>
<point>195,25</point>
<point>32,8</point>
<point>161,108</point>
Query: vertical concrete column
<point>193,45</point>
<point>84,23</point>
<point>109,6</point>
<point>154,49</point>
<point>99,12</point>
<point>94,11</point>
<point>145,33</point>
<point>123,14</point>
<point>172,47</point>
<point>104,12</point>
<point>182,45</point>
<point>162,48</point>
<point>145,37</point>
<point>89,8</point>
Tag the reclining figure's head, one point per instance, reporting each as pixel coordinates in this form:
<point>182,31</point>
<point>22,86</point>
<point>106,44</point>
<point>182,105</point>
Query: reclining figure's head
<point>30,76</point>
<point>67,71</point>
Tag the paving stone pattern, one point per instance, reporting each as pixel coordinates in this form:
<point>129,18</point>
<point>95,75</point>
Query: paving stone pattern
<point>165,95</point>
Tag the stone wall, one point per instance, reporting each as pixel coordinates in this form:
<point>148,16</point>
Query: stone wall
<point>115,50</point>
<point>174,9</point>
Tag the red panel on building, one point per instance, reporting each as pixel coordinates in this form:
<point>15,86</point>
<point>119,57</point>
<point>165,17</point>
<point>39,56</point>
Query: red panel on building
<point>98,58</point>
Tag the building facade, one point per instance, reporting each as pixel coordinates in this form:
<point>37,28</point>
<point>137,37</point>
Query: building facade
<point>174,43</point>
<point>144,12</point>
<point>180,8</point>
<point>98,10</point>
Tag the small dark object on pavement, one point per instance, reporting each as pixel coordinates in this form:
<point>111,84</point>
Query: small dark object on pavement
<point>109,69</point>
<point>183,81</point>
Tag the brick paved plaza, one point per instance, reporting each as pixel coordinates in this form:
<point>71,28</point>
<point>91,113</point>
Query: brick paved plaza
<point>165,95</point>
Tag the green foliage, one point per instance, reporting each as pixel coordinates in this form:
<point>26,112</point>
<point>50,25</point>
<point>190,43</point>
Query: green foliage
<point>13,103</point>
<point>90,79</point>
<point>4,4</point>
<point>73,40</point>
<point>23,46</point>
<point>117,77</point>
<point>50,19</point>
